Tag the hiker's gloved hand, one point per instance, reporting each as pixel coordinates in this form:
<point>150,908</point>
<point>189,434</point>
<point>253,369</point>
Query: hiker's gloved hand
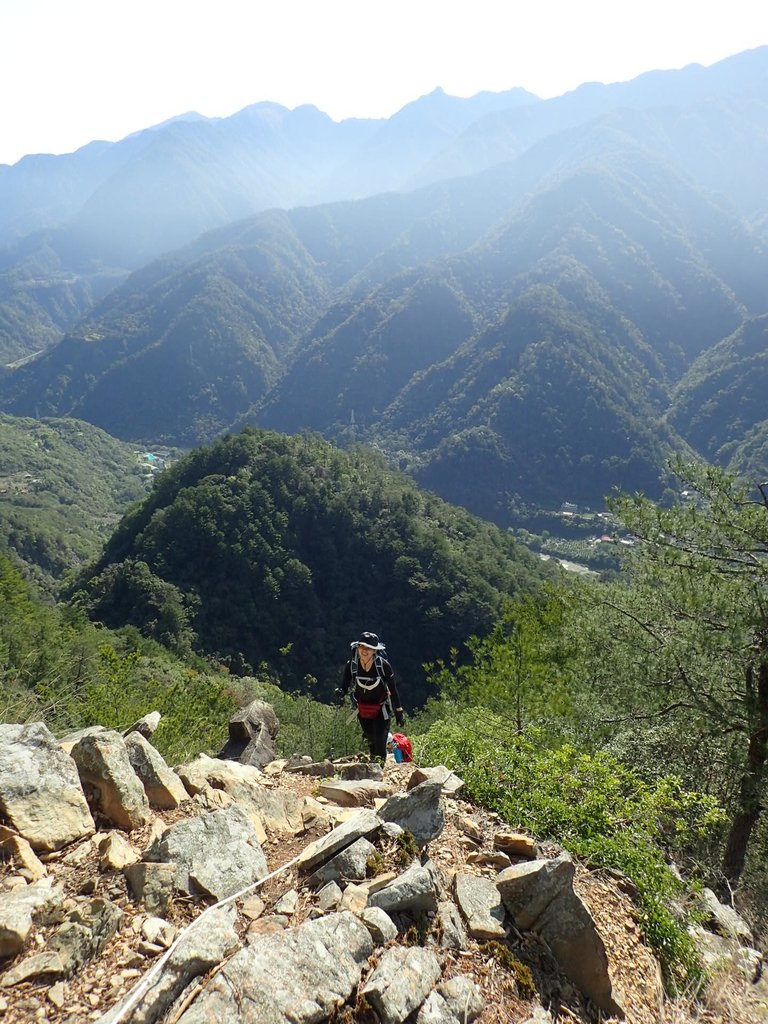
<point>400,717</point>
<point>339,694</point>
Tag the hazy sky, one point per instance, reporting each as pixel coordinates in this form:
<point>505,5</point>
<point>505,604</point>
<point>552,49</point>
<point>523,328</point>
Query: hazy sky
<point>76,70</point>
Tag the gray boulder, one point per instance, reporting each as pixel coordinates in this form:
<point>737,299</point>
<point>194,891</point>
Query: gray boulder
<point>350,865</point>
<point>274,808</point>
<point>450,926</point>
<point>479,901</point>
<point>297,976</point>
<point>527,889</point>
<point>353,770</point>
<point>163,787</point>
<point>252,734</point>
<point>379,924</point>
<point>421,811</point>
<point>725,920</point>
<point>40,791</point>
<point>202,947</point>
<point>153,885</point>
<point>145,726</point>
<point>416,889</point>
<point>450,782</point>
<point>362,824</point>
<point>22,908</point>
<point>455,1001</point>
<point>109,779</point>
<point>569,930</point>
<point>84,934</point>
<point>355,792</point>
<point>217,853</point>
<point>401,981</point>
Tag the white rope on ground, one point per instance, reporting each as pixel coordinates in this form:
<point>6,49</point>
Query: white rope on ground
<point>140,988</point>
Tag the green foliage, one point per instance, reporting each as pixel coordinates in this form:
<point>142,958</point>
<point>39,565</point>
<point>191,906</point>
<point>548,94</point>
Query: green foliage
<point>279,551</point>
<point>57,667</point>
<point>591,804</point>
<point>520,669</point>
<point>685,636</point>
<point>307,726</point>
<point>504,956</point>
<point>63,487</point>
<point>406,848</point>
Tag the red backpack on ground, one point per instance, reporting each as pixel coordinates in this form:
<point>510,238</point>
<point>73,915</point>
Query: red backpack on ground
<point>403,744</point>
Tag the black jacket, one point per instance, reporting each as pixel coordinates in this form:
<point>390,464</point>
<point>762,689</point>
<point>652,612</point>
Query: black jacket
<point>370,687</point>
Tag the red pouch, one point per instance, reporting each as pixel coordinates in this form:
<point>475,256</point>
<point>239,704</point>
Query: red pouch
<point>368,710</point>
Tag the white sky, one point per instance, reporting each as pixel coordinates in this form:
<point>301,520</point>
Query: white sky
<point>76,70</point>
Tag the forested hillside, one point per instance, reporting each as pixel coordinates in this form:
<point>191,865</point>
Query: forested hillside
<point>540,356</point>
<point>264,550</point>
<point>63,486</point>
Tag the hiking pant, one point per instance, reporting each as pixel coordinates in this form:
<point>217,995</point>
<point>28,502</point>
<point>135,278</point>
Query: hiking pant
<point>375,731</point>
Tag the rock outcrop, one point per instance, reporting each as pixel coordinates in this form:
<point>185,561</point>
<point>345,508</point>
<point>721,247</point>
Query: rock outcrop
<point>246,894</point>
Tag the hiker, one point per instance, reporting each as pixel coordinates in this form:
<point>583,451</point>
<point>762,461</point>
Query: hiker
<point>372,680</point>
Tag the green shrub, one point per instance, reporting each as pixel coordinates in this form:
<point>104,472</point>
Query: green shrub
<point>595,807</point>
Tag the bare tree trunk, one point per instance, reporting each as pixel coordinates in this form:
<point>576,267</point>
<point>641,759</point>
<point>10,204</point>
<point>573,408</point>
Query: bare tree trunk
<point>749,807</point>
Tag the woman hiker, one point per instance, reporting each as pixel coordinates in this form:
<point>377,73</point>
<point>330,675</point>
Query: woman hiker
<point>372,681</point>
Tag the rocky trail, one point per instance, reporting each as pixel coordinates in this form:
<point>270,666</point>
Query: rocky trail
<point>292,892</point>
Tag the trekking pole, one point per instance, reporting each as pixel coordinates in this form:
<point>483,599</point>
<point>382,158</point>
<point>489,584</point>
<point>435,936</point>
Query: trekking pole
<point>333,731</point>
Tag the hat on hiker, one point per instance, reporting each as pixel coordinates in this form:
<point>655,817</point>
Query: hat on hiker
<point>370,640</point>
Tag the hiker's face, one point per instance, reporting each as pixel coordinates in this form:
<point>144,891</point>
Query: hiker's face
<point>366,653</point>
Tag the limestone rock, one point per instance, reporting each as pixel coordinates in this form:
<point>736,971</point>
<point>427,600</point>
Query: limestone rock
<point>527,889</point>
<point>203,947</point>
<point>353,770</point>
<point>14,847</point>
<point>279,810</point>
<point>152,884</point>
<point>450,926</point>
<point>725,920</point>
<point>400,982</point>
<point>450,782</point>
<point>84,934</point>
<point>252,734</point>
<point>22,907</point>
<point>163,787</point>
<point>299,976</point>
<point>479,901</point>
<point>362,823</point>
<point>379,924</point>
<point>516,844</point>
<point>116,852</point>
<point>145,726</point>
<point>414,889</point>
<point>350,864</point>
<point>421,811</point>
<point>40,792</point>
<point>238,861</point>
<point>105,770</point>
<point>569,930</point>
<point>457,1000</point>
<point>356,793</point>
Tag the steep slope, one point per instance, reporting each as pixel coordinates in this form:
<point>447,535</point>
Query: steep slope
<point>567,324</point>
<point>63,487</point>
<point>704,120</point>
<point>720,406</point>
<point>115,206</point>
<point>284,549</point>
<point>44,290</point>
<point>183,345</point>
<point>586,269</point>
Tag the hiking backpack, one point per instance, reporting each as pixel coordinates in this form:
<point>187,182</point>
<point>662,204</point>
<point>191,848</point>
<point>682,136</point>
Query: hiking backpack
<point>403,746</point>
<point>359,690</point>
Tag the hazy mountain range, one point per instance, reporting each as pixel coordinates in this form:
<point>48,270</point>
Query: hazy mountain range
<point>519,300</point>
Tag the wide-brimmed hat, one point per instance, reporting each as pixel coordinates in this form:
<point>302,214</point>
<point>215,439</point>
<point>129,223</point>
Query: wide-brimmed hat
<point>369,640</point>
